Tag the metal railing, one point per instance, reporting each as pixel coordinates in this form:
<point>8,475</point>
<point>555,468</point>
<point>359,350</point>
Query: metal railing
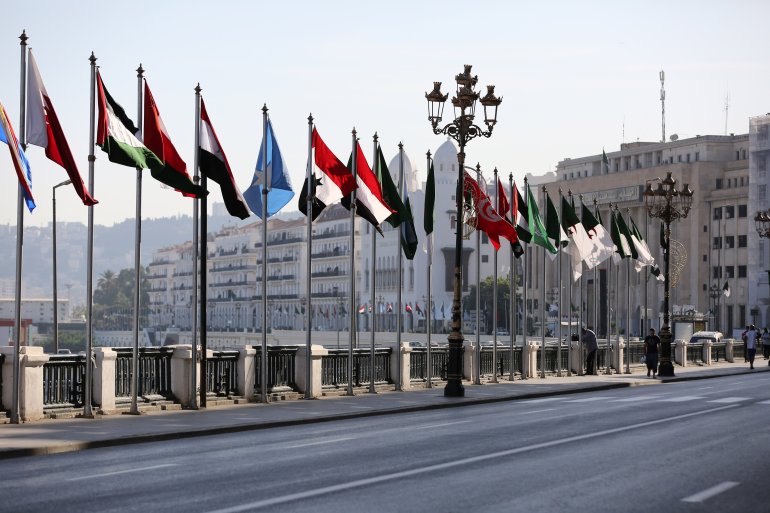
<point>63,380</point>
<point>222,373</point>
<point>739,349</point>
<point>694,353</point>
<point>636,350</point>
<point>280,369</point>
<point>720,348</point>
<point>501,367</point>
<point>154,372</point>
<point>334,367</point>
<point>2,361</point>
<point>418,363</point>
<point>552,358</point>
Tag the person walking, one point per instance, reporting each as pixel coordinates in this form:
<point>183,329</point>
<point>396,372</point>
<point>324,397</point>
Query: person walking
<point>589,342</point>
<point>651,348</point>
<point>751,345</point>
<point>766,344</point>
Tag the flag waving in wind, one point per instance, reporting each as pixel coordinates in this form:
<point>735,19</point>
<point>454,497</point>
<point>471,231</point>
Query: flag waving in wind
<point>44,130</point>
<point>487,219</point>
<point>369,202</point>
<point>581,247</point>
<point>214,166</point>
<point>390,191</point>
<point>279,192</point>
<point>408,232</point>
<point>20,163</point>
<point>539,233</point>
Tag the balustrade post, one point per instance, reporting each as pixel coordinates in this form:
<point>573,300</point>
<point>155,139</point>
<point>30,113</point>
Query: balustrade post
<point>707,352</point>
<point>529,358</point>
<point>104,378</point>
<point>31,361</point>
<point>680,352</point>
<point>729,355</point>
<point>181,368</point>
<point>406,366</point>
<point>619,348</point>
<point>576,356</point>
<point>246,369</point>
<point>469,354</point>
<point>317,352</point>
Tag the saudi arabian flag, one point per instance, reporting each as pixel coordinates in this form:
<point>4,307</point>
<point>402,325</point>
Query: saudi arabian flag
<point>536,228</point>
<point>430,200</point>
<point>408,232</point>
<point>116,134</point>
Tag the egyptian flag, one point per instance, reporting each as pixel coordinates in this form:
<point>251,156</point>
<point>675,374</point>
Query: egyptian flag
<point>369,201</point>
<point>174,172</point>
<point>332,181</point>
<point>213,164</point>
<point>44,130</point>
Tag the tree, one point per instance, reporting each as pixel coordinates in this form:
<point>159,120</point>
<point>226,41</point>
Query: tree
<point>487,300</point>
<point>114,299</point>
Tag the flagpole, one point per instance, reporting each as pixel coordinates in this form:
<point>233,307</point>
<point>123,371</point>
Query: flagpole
<point>352,331</point>
<point>580,323</point>
<point>628,306</point>
<point>265,190</point>
<point>512,285</point>
<point>399,299</point>
<point>645,327</point>
<point>19,236</point>
<point>608,369</point>
<point>204,291</point>
<point>494,297</point>
<point>429,372</point>
<point>525,285</point>
<point>542,292</point>
<point>137,260</point>
<point>558,281</point>
<point>194,300</point>
<point>477,359</point>
<point>373,267</point>
<point>309,268</point>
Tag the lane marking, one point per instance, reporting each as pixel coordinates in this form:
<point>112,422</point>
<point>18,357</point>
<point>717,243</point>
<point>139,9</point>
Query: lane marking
<point>682,398</point>
<point>320,442</point>
<point>763,402</point>
<point>537,411</point>
<point>454,463</point>
<point>729,400</point>
<point>637,398</point>
<point>544,400</point>
<point>589,399</point>
<point>710,492</point>
<point>118,472</point>
<point>429,426</point>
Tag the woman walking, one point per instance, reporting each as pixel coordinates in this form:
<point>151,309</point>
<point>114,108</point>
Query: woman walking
<point>651,347</point>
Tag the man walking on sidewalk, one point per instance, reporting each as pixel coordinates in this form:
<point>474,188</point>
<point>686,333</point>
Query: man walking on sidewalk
<point>751,345</point>
<point>589,342</point>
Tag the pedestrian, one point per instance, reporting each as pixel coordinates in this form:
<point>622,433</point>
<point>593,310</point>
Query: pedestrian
<point>766,344</point>
<point>589,342</point>
<point>651,348</point>
<point>751,345</point>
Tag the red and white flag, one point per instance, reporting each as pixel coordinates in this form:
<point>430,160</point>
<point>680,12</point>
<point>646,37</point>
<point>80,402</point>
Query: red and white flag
<point>487,218</point>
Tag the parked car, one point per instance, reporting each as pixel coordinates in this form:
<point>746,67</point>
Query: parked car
<point>502,332</point>
<point>703,336</point>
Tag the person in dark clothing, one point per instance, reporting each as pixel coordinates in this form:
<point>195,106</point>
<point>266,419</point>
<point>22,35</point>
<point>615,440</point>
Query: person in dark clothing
<point>651,347</point>
<point>589,342</point>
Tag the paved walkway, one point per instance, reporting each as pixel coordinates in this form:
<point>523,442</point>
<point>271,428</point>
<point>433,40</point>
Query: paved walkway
<point>54,436</point>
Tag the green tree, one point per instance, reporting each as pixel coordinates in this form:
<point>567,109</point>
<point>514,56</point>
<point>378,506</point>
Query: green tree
<point>114,299</point>
<point>487,301</point>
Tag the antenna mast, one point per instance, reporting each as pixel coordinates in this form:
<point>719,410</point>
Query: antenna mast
<point>727,107</point>
<point>663,105</point>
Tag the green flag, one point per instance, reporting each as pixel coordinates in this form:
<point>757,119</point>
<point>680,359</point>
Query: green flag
<point>626,233</point>
<point>408,233</point>
<point>605,162</point>
<point>430,200</point>
<point>539,233</point>
<point>622,249</point>
<point>556,234</point>
<point>390,191</point>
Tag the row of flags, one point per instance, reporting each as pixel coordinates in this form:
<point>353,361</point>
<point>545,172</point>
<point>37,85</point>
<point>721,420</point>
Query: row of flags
<point>389,307</point>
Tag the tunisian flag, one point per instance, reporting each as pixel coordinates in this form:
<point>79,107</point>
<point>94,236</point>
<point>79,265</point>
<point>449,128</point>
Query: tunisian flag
<point>44,130</point>
<point>487,218</point>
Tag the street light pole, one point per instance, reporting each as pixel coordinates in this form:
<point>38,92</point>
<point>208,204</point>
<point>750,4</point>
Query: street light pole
<point>55,285</point>
<point>462,130</point>
<point>667,204</point>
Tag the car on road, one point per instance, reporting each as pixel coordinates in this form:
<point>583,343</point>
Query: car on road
<point>702,336</point>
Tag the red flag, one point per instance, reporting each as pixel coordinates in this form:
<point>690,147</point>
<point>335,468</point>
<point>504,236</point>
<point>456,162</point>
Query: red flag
<point>44,130</point>
<point>487,218</point>
<point>502,200</point>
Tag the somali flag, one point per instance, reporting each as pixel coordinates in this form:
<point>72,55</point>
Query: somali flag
<point>279,192</point>
<point>20,162</point>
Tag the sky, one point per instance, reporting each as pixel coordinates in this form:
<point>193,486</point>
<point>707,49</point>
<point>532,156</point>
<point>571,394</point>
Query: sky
<point>575,77</point>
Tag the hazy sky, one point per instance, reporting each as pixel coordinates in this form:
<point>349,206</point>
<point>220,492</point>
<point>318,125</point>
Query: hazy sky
<point>575,77</point>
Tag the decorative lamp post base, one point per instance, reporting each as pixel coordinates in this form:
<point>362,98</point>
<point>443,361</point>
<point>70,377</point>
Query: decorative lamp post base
<point>666,365</point>
<point>454,382</point>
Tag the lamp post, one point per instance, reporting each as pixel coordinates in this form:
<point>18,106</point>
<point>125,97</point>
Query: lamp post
<point>667,204</point>
<point>462,129</point>
<point>762,222</point>
<point>238,316</point>
<point>55,286</point>
<point>715,292</point>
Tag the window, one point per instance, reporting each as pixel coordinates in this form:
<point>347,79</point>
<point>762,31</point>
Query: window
<point>452,222</point>
<point>484,258</point>
<point>729,242</point>
<point>729,212</point>
<point>762,192</point>
<point>729,272</point>
<point>705,228</point>
<point>704,258</point>
<point>688,157</point>
<point>718,213</point>
<point>737,155</point>
<point>742,210</point>
<point>742,271</point>
<point>717,244</point>
<point>741,241</point>
<point>718,184</point>
<point>565,176</point>
<point>679,158</point>
<point>484,239</point>
<point>697,156</point>
<point>716,272</point>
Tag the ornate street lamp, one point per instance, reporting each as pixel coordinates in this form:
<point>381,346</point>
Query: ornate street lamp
<point>762,223</point>
<point>667,204</point>
<point>462,129</point>
<point>715,292</point>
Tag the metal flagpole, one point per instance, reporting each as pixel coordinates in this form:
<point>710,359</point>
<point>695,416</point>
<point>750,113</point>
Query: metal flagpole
<point>581,323</point>
<point>542,290</point>
<point>309,269</point>
<point>512,285</point>
<point>558,281</point>
<point>608,365</point>
<point>352,331</point>
<point>569,329</point>
<point>204,290</point>
<point>373,267</point>
<point>266,182</point>
<point>525,284</point>
<point>194,299</point>
<point>137,258</point>
<point>432,311</point>
<point>494,297</point>
<point>628,306</point>
<point>399,299</point>
<point>477,352</point>
<point>20,237</point>
<point>87,412</point>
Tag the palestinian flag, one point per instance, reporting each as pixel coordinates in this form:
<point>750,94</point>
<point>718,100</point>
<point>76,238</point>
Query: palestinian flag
<point>213,164</point>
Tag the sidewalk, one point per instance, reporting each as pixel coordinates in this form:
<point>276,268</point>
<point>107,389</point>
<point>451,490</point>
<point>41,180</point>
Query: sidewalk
<point>55,436</point>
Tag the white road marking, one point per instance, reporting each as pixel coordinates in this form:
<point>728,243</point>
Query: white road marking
<point>537,411</point>
<point>729,400</point>
<point>763,402</point>
<point>543,400</point>
<point>635,399</point>
<point>118,472</point>
<point>682,399</point>
<point>283,499</point>
<point>710,492</point>
<point>429,426</point>
<point>588,399</point>
<point>320,442</point>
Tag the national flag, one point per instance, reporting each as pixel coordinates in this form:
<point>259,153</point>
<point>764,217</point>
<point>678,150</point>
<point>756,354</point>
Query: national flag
<point>20,162</point>
<point>626,232</point>
<point>156,138</point>
<point>333,181</point>
<point>486,217</point>
<point>581,247</point>
<point>117,134</point>
<point>389,307</point>
<point>623,248</point>
<point>389,191</point>
<point>214,166</point>
<point>279,191</point>
<point>430,200</point>
<point>407,231</point>
<point>521,215</point>
<point>556,235</point>
<point>539,233</point>
<point>602,245</point>
<point>726,290</point>
<point>419,310</point>
<point>362,309</point>
<point>443,314</point>
<point>369,201</point>
<point>408,307</point>
<point>605,163</point>
<point>44,130</point>
<point>655,271</point>
<point>644,257</point>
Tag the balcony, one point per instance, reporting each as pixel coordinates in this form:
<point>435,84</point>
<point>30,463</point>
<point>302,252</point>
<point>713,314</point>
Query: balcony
<point>331,235</point>
<point>331,254</point>
<point>288,240</point>
<point>281,277</point>
<point>230,284</point>
<point>233,268</point>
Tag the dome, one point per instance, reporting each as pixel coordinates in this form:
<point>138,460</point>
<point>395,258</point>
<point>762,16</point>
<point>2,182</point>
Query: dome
<point>446,154</point>
<point>410,174</point>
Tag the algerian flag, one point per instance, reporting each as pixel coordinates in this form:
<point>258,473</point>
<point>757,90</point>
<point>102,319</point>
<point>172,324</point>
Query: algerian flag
<point>622,245</point>
<point>643,251</point>
<point>116,134</point>
<point>556,235</point>
<point>605,162</point>
<point>581,247</point>
<point>726,290</point>
<point>602,246</point>
<point>536,228</point>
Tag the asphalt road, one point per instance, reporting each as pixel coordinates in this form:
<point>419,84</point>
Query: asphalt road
<point>679,447</point>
